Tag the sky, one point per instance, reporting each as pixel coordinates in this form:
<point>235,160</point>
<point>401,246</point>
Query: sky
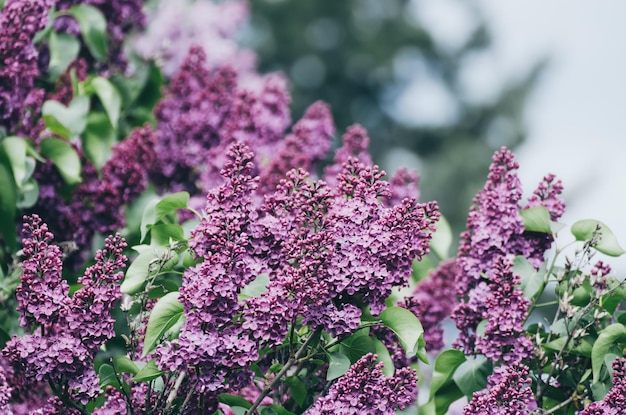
<point>576,118</point>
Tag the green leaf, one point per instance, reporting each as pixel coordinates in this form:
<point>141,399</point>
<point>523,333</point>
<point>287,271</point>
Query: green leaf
<point>107,377</point>
<point>607,337</point>
<point>338,365</point>
<point>532,281</point>
<point>357,346</point>
<point>8,200</point>
<point>256,287</point>
<point>275,410</point>
<point>68,122</point>
<point>98,139</point>
<point>166,312</point>
<point>93,27</point>
<point>233,400</point>
<point>383,356</point>
<point>162,233</point>
<point>139,270</point>
<point>471,376</point>
<point>64,157</point>
<point>536,219</point>
<point>109,97</point>
<point>606,243</point>
<point>157,209</point>
<point>297,390</point>
<point>149,372</point>
<point>123,364</point>
<point>446,364</point>
<point>64,49</point>
<point>406,326</point>
<point>15,150</point>
<point>442,239</point>
<point>171,203</point>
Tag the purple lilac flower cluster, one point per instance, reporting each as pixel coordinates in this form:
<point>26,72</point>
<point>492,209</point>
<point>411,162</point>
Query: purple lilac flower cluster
<point>364,389</point>
<point>503,339</point>
<point>20,101</point>
<point>615,401</point>
<point>205,110</point>
<point>508,393</point>
<point>328,252</point>
<point>218,348</point>
<point>66,331</point>
<point>496,231</point>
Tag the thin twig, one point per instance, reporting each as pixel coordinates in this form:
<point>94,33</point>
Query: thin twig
<point>292,360</point>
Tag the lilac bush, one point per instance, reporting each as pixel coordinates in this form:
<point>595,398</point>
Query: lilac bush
<point>269,273</point>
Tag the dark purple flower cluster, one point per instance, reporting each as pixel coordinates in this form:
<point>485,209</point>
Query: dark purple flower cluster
<point>364,389</point>
<point>614,403</point>
<point>20,20</point>
<point>66,331</point>
<point>495,230</point>
<point>508,393</point>
<point>432,302</point>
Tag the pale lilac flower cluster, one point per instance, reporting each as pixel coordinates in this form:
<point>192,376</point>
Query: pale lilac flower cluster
<point>364,389</point>
<point>432,302</point>
<point>614,403</point>
<point>495,230</point>
<point>508,393</point>
<point>20,101</point>
<point>66,331</point>
<point>177,26</point>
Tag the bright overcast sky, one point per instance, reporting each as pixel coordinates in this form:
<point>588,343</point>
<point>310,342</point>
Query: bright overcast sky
<point>577,117</point>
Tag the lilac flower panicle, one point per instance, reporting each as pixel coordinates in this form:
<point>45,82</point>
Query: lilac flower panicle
<point>615,401</point>
<point>364,389</point>
<point>495,230</point>
<point>211,341</point>
<point>432,302</point>
<point>90,317</point>
<point>20,20</point>
<point>508,393</point>
<point>70,330</point>
<point>503,339</point>
<point>42,295</point>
